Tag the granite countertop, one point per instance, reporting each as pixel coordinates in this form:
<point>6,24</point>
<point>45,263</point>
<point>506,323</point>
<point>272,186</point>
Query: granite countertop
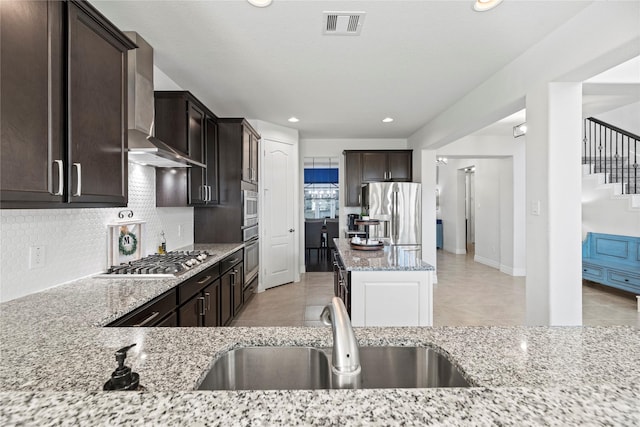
<point>56,358</point>
<point>389,258</point>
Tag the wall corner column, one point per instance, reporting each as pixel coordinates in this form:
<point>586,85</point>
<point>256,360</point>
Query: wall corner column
<point>428,176</point>
<point>553,210</point>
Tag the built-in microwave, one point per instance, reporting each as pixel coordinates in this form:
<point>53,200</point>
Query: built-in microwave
<point>249,208</point>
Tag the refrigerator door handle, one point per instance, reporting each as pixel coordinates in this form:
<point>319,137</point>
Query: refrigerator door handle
<point>395,214</point>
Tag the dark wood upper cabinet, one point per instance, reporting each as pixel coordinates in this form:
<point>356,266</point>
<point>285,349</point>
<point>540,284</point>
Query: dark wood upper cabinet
<point>180,122</point>
<point>249,155</point>
<point>203,182</point>
<point>97,108</point>
<point>185,124</point>
<point>353,177</point>
<point>386,166</point>
<point>237,142</point>
<point>374,166</point>
<point>249,149</point>
<point>211,173</point>
<point>31,130</point>
<point>64,106</point>
<point>400,166</point>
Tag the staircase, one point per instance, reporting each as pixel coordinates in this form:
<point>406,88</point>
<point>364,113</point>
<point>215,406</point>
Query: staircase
<point>605,209</point>
<point>611,180</point>
<point>613,152</point>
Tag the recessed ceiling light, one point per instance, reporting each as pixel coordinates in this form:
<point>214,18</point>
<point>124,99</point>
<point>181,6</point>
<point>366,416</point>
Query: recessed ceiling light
<point>387,120</point>
<point>484,5</point>
<point>260,3</point>
<point>294,119</point>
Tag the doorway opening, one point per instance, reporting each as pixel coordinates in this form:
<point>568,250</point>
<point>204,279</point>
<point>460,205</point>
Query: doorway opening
<point>321,211</point>
<point>470,215</point>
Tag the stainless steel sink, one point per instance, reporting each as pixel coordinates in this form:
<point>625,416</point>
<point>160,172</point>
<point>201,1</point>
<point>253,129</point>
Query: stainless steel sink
<point>298,368</point>
<point>407,367</point>
<point>270,368</point>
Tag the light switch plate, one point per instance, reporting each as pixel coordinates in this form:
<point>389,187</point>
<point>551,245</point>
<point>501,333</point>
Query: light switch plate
<point>535,207</point>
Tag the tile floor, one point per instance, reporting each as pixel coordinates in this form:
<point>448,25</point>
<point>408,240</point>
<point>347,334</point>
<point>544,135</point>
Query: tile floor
<point>467,294</point>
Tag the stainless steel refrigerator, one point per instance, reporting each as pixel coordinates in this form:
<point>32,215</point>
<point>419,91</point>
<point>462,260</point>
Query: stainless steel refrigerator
<point>397,205</point>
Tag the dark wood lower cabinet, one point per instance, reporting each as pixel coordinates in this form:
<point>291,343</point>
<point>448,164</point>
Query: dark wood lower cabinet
<point>249,290</point>
<point>170,321</point>
<point>238,285</point>
<point>190,313</point>
<point>212,304</point>
<point>150,314</point>
<point>226,298</point>
<point>206,299</point>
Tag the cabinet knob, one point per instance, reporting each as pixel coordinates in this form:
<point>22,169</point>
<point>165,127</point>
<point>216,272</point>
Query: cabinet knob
<point>291,230</point>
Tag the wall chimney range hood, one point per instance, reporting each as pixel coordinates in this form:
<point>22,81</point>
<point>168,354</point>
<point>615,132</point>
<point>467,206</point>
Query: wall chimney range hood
<point>144,148</point>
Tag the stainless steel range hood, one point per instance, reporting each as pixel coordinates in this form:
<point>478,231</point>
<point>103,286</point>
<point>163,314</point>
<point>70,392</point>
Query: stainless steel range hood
<point>145,148</point>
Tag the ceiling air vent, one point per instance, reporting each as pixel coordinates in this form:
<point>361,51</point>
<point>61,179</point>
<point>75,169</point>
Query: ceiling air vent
<point>343,23</point>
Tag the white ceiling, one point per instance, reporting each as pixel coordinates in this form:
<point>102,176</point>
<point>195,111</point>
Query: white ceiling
<point>412,61</point>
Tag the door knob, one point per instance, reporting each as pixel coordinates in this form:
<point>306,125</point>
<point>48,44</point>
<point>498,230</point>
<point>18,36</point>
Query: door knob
<point>291,230</point>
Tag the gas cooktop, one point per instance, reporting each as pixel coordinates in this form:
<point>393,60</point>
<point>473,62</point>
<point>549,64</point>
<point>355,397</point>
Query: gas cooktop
<point>171,264</point>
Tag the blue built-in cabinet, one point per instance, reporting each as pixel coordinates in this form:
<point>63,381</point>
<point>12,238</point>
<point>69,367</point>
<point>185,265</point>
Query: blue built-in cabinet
<point>612,260</point>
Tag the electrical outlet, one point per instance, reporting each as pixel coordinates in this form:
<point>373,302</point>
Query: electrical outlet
<point>36,257</point>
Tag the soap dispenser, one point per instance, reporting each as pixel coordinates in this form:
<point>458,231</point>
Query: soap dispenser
<point>123,378</point>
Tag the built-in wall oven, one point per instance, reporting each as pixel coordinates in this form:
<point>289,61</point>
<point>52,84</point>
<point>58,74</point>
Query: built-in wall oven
<point>249,208</point>
<point>251,260</point>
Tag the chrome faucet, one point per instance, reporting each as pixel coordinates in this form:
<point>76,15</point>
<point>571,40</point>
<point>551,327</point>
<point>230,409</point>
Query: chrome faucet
<point>345,357</point>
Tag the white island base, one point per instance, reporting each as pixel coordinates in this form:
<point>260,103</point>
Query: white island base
<point>391,298</point>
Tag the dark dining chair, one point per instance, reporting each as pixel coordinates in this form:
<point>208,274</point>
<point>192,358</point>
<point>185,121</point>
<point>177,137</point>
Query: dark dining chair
<point>332,232</point>
<point>313,235</point>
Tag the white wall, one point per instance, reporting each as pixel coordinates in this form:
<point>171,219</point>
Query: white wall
<point>494,213</point>
<point>578,50</point>
<point>626,118</point>
<point>487,211</point>
<point>75,240</point>
<point>334,148</point>
<point>499,205</point>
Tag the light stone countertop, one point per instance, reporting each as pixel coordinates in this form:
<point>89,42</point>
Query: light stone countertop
<point>56,358</point>
<point>389,258</point>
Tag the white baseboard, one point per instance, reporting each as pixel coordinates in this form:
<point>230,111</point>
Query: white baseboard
<point>487,261</point>
<point>513,271</point>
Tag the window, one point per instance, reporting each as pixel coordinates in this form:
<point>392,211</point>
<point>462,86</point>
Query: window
<point>321,194</point>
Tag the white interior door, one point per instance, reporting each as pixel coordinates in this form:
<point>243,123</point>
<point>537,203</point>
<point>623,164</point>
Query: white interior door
<point>278,214</point>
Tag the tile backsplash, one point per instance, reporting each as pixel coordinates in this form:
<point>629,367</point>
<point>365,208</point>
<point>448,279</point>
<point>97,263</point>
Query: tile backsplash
<point>75,240</point>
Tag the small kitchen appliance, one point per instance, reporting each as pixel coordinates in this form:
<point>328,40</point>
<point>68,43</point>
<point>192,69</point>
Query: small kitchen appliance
<point>351,221</point>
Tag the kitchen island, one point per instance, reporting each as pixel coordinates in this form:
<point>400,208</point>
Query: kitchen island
<point>391,286</point>
<point>56,356</point>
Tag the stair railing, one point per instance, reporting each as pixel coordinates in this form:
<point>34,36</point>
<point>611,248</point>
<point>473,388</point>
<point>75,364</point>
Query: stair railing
<point>612,151</point>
